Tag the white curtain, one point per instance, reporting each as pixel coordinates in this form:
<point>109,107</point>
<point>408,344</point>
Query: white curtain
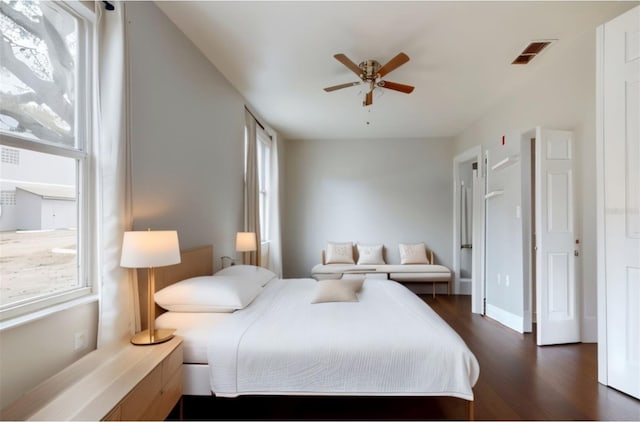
<point>275,246</point>
<point>251,189</point>
<point>117,286</point>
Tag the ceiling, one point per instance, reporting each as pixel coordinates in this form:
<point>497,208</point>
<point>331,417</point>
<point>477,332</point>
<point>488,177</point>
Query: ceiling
<point>279,56</point>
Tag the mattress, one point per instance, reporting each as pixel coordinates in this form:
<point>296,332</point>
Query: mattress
<point>195,328</point>
<point>388,343</point>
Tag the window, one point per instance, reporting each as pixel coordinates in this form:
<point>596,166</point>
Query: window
<point>264,176</point>
<point>10,156</point>
<point>45,127</point>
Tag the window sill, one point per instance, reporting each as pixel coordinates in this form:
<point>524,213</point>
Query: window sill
<point>42,313</point>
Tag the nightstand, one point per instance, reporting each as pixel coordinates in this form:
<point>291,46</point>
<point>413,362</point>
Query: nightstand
<point>123,382</point>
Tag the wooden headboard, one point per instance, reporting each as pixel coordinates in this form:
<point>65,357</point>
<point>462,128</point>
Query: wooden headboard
<point>193,262</point>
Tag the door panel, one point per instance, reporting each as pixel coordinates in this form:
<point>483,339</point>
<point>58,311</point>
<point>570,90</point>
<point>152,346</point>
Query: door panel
<point>621,175</point>
<point>558,211</point>
<point>557,299</point>
<point>560,289</point>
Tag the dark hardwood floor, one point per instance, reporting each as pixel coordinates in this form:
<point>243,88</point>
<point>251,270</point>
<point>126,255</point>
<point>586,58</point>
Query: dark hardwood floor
<point>518,381</point>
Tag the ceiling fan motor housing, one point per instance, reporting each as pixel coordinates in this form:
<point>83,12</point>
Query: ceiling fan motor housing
<point>369,69</point>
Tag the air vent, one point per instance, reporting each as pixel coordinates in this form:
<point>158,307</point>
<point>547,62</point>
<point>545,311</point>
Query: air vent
<point>532,50</point>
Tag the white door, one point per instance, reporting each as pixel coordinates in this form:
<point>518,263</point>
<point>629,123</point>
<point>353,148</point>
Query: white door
<point>558,319</point>
<point>621,147</point>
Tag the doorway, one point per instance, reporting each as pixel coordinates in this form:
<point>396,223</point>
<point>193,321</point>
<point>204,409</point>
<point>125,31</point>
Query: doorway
<point>550,255</point>
<point>468,223</point>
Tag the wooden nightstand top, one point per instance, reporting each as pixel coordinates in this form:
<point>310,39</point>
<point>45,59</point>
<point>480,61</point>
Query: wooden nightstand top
<point>92,386</point>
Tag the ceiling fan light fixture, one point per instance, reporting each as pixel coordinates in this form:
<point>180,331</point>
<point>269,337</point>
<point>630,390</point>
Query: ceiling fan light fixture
<point>370,71</point>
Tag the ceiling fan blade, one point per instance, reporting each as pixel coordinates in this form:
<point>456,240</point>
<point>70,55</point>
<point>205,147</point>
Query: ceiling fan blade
<point>336,87</point>
<point>394,63</point>
<point>347,62</point>
<point>407,89</point>
<point>368,99</point>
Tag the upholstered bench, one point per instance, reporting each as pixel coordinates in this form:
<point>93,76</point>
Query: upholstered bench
<point>404,273</point>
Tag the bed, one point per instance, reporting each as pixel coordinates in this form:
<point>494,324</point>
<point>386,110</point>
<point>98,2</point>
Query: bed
<point>388,343</point>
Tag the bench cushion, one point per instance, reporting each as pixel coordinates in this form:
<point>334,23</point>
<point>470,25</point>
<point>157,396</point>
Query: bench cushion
<point>407,273</point>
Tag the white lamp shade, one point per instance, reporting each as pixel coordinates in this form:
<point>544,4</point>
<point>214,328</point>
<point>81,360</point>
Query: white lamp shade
<point>150,249</point>
<point>245,242</point>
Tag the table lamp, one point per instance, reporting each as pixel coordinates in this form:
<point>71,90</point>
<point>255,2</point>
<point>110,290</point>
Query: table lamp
<point>150,249</point>
<point>245,242</point>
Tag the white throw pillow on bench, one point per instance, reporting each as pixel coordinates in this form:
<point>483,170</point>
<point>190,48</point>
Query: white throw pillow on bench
<point>370,255</point>
<point>340,253</point>
<point>413,253</point>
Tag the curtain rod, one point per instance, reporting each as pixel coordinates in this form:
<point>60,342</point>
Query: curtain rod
<point>258,123</point>
<point>254,118</point>
<point>108,5</point>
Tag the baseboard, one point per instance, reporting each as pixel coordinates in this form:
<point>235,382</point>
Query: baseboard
<point>506,318</point>
<point>463,287</point>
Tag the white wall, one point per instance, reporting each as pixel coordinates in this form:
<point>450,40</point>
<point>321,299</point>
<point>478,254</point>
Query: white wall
<point>187,137</point>
<point>35,351</point>
<point>560,96</point>
<point>503,242</point>
<point>370,191</point>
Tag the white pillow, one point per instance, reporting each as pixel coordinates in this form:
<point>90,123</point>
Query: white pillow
<point>335,291</point>
<point>208,294</point>
<point>340,253</point>
<point>371,255</point>
<point>413,253</point>
<point>258,274</point>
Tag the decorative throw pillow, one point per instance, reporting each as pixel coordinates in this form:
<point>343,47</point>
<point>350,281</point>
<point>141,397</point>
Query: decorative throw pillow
<point>335,291</point>
<point>371,255</point>
<point>340,253</point>
<point>356,282</point>
<point>413,253</point>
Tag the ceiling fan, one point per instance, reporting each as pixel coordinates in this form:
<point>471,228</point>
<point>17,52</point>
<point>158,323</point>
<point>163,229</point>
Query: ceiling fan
<point>370,72</point>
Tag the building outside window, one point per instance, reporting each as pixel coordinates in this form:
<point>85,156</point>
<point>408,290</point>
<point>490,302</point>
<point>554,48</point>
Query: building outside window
<point>45,137</point>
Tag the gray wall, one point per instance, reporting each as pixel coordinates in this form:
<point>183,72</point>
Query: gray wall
<point>187,143</point>
<point>369,191</point>
<point>187,137</point>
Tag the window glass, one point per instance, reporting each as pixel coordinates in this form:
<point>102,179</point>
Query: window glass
<point>38,71</point>
<point>39,227</point>
<point>43,206</point>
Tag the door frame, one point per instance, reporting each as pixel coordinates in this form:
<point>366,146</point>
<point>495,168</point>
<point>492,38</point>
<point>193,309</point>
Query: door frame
<point>528,221</point>
<point>474,153</point>
<point>600,227</point>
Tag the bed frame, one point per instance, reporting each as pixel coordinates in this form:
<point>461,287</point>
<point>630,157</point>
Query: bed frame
<point>197,262</point>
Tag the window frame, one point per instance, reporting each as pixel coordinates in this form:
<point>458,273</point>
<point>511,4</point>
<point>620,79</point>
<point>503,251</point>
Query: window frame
<point>263,149</point>
<point>85,174</point>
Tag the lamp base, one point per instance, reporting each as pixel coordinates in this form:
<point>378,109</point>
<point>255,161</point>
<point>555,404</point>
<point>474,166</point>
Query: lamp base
<point>159,336</point>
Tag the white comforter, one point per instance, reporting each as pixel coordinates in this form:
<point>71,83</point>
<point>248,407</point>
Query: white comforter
<point>388,343</point>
